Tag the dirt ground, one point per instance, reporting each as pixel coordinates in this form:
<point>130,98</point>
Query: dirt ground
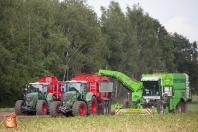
<point>2,114</point>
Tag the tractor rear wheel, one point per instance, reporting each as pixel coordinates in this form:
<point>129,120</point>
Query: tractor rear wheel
<point>18,105</point>
<point>160,107</point>
<point>41,107</point>
<point>105,110</point>
<point>109,106</point>
<point>79,108</point>
<point>93,106</point>
<point>54,112</point>
<point>181,107</point>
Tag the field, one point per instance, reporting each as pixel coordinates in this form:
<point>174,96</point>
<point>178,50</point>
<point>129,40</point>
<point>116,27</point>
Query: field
<point>174,122</point>
<point>187,122</point>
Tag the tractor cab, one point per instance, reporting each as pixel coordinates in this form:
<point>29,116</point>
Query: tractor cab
<point>151,90</point>
<point>40,88</point>
<point>79,88</point>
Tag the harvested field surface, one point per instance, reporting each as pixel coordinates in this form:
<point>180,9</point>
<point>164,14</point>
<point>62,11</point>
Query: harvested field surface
<point>183,122</point>
<point>173,122</point>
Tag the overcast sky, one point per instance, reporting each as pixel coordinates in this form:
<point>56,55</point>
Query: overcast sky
<point>179,16</point>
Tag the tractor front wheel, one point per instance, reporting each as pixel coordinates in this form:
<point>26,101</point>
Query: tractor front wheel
<point>160,107</point>
<point>54,112</point>
<point>41,107</point>
<point>79,108</point>
<point>18,105</point>
<point>181,107</point>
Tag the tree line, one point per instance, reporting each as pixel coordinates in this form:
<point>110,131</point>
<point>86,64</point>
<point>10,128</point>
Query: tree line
<point>48,37</point>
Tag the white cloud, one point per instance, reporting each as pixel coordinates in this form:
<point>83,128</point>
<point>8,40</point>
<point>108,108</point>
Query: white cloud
<point>180,24</point>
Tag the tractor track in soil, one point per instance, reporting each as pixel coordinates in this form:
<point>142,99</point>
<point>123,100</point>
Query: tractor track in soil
<point>3,114</point>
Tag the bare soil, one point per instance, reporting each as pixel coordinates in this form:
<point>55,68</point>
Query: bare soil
<point>3,114</point>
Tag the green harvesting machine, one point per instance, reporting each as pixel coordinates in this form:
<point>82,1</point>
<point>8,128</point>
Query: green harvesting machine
<point>156,93</point>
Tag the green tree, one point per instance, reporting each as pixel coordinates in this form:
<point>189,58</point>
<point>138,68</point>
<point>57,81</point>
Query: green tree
<point>149,56</point>
<point>113,27</point>
<point>182,53</point>
<point>166,45</point>
<point>80,25</point>
<point>193,75</point>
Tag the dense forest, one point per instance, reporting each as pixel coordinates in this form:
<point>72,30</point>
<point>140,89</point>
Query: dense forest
<point>48,37</point>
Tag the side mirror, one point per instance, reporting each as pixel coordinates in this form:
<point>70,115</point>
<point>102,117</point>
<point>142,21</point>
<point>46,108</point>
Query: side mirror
<point>24,91</point>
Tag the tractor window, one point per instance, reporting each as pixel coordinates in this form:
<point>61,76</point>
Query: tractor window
<point>83,87</point>
<point>71,86</point>
<point>45,88</point>
<point>150,88</point>
<point>37,88</point>
<point>86,87</point>
<point>34,88</point>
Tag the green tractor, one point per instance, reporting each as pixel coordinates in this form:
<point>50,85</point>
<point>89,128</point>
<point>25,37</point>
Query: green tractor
<point>34,100</point>
<point>85,94</point>
<point>157,93</point>
<point>38,96</point>
<point>74,100</point>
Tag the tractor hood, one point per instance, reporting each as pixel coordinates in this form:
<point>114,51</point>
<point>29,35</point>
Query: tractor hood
<point>31,99</point>
<point>69,97</point>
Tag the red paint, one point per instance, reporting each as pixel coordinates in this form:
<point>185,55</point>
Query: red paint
<point>54,85</point>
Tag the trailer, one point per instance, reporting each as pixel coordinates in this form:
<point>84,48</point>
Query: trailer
<point>38,96</point>
<point>84,94</point>
<point>156,93</point>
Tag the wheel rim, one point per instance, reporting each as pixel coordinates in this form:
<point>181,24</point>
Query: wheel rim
<point>44,108</point>
<point>82,110</point>
<point>93,108</point>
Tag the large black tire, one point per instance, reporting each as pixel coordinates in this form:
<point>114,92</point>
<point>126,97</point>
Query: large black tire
<point>50,101</point>
<point>160,107</point>
<point>109,106</point>
<point>181,107</point>
<point>54,112</point>
<point>93,106</point>
<point>18,105</point>
<point>79,108</point>
<point>41,107</point>
<point>105,109</point>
